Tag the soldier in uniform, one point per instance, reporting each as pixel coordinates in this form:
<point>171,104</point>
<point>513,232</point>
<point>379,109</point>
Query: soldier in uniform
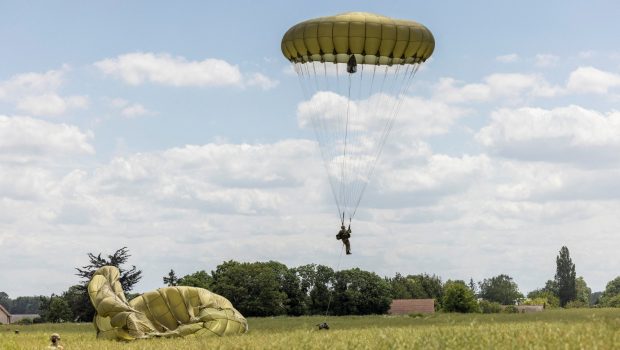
<point>344,235</point>
<point>55,345</point>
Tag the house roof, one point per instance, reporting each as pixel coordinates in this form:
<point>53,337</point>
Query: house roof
<point>4,310</point>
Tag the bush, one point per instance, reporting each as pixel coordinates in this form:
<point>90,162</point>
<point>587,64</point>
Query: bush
<point>575,304</point>
<point>489,307</point>
<point>458,297</point>
<point>24,321</point>
<point>613,301</point>
<point>510,309</point>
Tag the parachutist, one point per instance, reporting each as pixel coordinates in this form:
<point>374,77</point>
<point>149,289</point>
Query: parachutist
<point>352,65</point>
<point>323,325</point>
<point>344,235</point>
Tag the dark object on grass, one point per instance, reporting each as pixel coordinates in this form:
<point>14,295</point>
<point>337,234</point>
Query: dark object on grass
<point>323,325</point>
<point>16,331</point>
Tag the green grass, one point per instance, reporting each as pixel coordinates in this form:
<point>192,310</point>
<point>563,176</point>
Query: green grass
<point>553,329</point>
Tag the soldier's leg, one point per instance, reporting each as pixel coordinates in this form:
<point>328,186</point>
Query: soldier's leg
<point>348,246</point>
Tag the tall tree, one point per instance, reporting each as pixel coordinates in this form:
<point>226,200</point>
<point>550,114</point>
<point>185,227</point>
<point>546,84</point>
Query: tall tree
<point>171,280</point>
<point>500,289</point>
<point>128,278</point>
<point>565,277</point>
<point>583,292</point>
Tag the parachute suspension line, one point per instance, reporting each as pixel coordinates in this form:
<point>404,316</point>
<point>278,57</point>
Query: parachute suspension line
<point>404,88</point>
<point>344,170</point>
<point>320,128</point>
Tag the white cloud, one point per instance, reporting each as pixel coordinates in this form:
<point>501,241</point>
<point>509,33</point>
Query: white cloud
<point>37,94</point>
<point>24,138</point>
<point>512,87</point>
<point>51,104</point>
<point>417,117</point>
<point>139,68</point>
<point>592,80</point>
<point>510,58</point>
<point>546,60</point>
<point>561,134</point>
<point>262,81</point>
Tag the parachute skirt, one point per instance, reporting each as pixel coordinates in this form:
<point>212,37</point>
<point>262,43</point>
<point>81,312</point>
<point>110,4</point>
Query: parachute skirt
<point>166,312</point>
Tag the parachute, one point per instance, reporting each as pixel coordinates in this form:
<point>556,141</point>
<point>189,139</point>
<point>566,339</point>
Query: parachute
<point>166,312</point>
<point>354,70</point>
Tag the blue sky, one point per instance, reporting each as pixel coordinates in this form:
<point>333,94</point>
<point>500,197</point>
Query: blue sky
<point>124,123</point>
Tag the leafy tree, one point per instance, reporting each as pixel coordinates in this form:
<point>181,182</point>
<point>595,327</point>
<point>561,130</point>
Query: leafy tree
<point>583,292</point>
<point>543,297</point>
<point>472,286</point>
<point>458,297</point>
<point>431,286</point>
<point>79,303</point>
<point>171,280</point>
<point>489,307</point>
<point>295,303</point>
<point>253,288</point>
<point>55,309</point>
<point>128,277</point>
<point>501,289</point>
<point>5,301</point>
<point>200,279</point>
<point>565,277</point>
<point>25,305</point>
<point>358,292</point>
<point>316,282</point>
<point>405,287</point>
<point>611,295</point>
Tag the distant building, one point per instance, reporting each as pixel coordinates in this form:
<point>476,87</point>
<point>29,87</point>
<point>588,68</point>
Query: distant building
<point>5,316</point>
<point>412,306</point>
<point>526,309</point>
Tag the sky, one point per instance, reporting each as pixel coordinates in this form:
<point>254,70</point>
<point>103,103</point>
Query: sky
<point>174,130</point>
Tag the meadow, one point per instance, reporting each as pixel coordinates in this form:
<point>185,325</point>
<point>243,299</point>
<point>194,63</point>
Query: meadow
<point>551,329</point>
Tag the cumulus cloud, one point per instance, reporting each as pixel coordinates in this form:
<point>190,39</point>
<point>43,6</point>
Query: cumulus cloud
<point>139,68</point>
<point>509,86</point>
<point>561,134</point>
<point>37,93</point>
<point>592,80</point>
<point>25,138</point>
<point>416,116</point>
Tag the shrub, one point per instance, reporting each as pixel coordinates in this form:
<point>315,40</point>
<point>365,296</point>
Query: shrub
<point>489,307</point>
<point>24,321</point>
<point>510,309</point>
<point>613,301</point>
<point>458,297</point>
<point>574,304</point>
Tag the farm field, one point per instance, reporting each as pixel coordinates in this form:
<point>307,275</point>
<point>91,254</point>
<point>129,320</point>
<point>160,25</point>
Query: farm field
<point>552,329</point>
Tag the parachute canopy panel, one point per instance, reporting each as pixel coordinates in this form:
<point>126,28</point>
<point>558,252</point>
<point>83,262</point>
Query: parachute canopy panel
<point>373,39</point>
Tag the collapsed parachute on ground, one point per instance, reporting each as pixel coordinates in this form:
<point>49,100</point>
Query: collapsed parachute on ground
<point>354,69</point>
<point>166,312</point>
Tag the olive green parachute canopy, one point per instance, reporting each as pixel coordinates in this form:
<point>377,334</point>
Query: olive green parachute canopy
<point>373,39</point>
<point>166,312</point>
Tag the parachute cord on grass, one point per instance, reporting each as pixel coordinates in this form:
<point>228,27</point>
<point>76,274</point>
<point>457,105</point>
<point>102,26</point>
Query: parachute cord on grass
<point>329,302</point>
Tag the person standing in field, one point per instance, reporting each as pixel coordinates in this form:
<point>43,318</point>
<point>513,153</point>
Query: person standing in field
<point>55,345</point>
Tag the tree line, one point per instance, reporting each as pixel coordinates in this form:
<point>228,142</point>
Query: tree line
<point>272,289</point>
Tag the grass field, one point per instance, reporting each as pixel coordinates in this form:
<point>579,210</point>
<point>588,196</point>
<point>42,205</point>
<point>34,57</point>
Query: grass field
<point>554,329</point>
